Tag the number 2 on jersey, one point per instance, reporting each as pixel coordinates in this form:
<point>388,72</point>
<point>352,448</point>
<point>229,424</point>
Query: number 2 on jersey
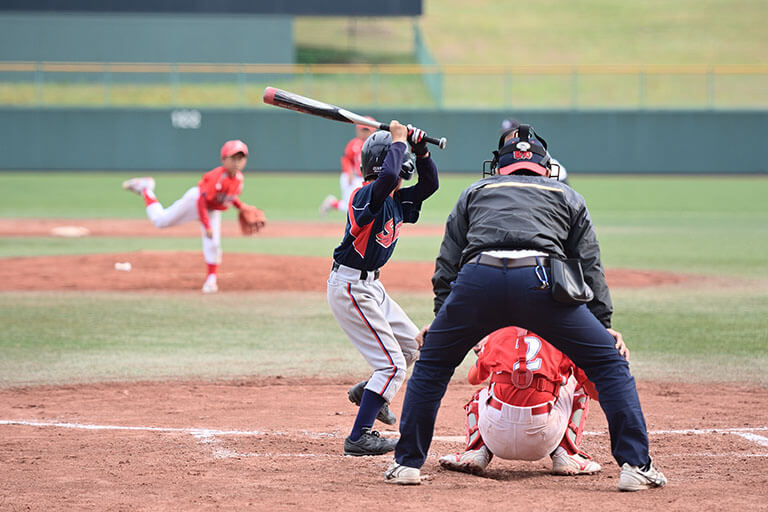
<point>533,346</point>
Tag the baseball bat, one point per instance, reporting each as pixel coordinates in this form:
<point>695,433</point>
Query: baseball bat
<point>292,101</point>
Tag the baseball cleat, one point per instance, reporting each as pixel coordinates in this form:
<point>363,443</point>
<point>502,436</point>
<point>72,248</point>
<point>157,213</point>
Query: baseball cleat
<point>138,185</point>
<point>355,395</point>
<point>471,461</point>
<point>370,443</point>
<point>210,285</point>
<point>632,478</point>
<point>326,205</point>
<point>563,463</point>
<point>402,475</point>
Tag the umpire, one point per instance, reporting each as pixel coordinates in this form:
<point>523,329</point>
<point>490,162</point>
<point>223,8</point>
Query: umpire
<point>493,271</point>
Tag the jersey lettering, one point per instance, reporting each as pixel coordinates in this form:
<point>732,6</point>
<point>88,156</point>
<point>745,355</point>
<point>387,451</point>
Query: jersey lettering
<point>389,234</point>
<point>533,346</point>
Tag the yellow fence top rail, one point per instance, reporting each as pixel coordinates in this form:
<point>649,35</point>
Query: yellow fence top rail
<point>364,69</point>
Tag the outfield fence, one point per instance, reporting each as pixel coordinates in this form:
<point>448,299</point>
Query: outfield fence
<point>163,85</point>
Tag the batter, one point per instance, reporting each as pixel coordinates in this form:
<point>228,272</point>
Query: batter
<point>375,324</point>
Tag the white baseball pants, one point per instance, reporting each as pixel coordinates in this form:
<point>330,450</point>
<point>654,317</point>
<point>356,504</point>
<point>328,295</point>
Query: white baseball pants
<point>376,325</point>
<point>347,188</point>
<point>185,210</point>
<point>514,433</point>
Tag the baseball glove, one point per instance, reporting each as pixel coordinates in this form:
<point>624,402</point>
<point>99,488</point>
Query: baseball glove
<point>251,219</point>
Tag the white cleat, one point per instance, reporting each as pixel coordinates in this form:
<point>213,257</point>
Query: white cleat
<point>139,185</point>
<point>326,205</point>
<point>210,285</point>
<point>402,475</point>
<point>633,478</point>
<point>471,461</point>
<point>564,463</point>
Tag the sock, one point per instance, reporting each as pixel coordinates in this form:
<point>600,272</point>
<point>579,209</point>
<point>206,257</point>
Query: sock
<point>370,405</point>
<point>213,268</point>
<point>335,204</point>
<point>149,197</point>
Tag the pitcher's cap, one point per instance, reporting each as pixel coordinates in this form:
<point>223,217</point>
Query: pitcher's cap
<point>232,147</point>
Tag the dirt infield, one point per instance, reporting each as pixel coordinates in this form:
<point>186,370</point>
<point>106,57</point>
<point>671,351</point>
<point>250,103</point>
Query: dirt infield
<point>276,444</point>
<point>239,272</point>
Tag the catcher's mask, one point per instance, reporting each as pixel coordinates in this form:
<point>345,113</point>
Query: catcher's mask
<point>375,149</point>
<point>524,154</point>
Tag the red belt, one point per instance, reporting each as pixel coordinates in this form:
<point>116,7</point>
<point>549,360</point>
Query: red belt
<point>540,409</point>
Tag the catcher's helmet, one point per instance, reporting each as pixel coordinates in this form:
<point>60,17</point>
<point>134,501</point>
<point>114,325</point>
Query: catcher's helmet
<point>373,153</point>
<point>524,154</point>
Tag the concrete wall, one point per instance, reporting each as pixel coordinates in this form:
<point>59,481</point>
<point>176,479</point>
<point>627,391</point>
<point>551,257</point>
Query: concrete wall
<point>598,141</point>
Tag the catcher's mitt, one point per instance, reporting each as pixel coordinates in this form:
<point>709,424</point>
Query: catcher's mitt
<point>251,219</point>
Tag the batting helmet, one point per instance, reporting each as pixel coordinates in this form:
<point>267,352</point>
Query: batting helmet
<point>373,153</point>
<point>524,154</point>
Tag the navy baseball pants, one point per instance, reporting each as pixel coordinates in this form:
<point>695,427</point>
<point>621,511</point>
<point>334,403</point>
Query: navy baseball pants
<point>484,299</point>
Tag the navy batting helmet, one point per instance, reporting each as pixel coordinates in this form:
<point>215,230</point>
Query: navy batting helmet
<point>375,149</point>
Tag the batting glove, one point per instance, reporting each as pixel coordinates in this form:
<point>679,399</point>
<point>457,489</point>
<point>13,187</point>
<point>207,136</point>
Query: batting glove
<point>416,140</point>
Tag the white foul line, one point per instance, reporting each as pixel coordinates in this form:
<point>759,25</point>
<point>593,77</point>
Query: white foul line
<point>761,440</point>
<point>209,436</point>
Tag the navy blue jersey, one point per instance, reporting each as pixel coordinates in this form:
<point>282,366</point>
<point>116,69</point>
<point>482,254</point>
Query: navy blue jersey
<point>372,232</point>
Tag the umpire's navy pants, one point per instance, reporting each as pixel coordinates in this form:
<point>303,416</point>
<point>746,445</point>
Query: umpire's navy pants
<point>484,299</point>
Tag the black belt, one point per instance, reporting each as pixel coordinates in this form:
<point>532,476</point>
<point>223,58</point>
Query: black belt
<point>493,261</point>
<point>363,273</point>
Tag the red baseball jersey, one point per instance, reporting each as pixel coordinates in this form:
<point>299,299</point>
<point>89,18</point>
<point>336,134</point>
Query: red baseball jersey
<point>502,352</point>
<point>350,160</point>
<point>218,190</point>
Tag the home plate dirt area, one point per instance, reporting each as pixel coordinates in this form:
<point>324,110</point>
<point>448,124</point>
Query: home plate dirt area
<point>277,443</point>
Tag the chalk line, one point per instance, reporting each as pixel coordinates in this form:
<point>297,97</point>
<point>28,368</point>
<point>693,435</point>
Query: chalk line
<point>211,436</point>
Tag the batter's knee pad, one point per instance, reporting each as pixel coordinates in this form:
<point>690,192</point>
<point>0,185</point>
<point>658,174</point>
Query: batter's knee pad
<point>572,438</point>
<point>474,439</point>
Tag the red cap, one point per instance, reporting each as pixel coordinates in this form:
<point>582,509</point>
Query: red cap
<point>232,147</point>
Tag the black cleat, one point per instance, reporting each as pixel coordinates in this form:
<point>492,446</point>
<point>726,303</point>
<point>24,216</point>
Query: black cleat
<point>355,395</point>
<point>370,443</point>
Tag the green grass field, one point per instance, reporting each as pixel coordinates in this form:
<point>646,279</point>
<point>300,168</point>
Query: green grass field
<point>715,228</point>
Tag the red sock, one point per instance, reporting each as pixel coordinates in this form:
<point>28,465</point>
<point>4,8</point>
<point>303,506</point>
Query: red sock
<point>149,197</point>
<point>213,268</point>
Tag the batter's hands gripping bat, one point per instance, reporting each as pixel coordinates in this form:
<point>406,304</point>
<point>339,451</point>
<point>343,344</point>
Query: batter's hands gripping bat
<point>291,101</point>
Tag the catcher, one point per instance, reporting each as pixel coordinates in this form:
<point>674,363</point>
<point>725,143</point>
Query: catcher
<point>535,405</point>
<point>216,191</point>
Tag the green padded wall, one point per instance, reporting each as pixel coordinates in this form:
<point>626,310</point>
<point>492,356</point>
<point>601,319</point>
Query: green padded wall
<point>597,141</point>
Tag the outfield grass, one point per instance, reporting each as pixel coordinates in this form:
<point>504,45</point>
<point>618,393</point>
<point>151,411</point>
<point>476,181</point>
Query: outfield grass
<point>55,337</point>
<point>713,329</point>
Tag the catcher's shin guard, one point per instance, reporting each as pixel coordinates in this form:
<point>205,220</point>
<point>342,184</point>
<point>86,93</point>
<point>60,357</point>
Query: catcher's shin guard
<point>474,439</point>
<point>572,438</point>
